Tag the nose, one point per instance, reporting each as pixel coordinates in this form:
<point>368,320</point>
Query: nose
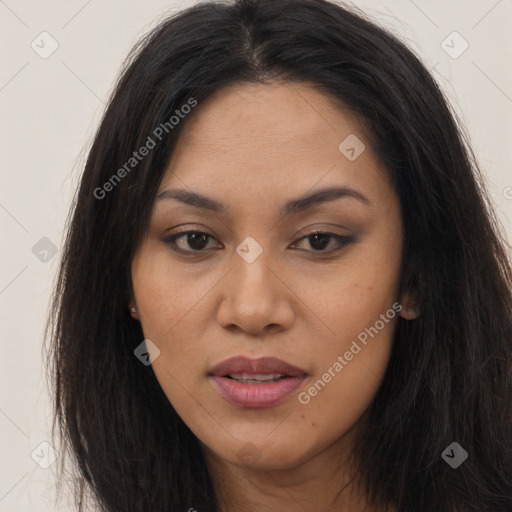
<point>255,298</point>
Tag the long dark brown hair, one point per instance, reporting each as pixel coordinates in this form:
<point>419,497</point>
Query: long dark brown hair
<point>450,374</point>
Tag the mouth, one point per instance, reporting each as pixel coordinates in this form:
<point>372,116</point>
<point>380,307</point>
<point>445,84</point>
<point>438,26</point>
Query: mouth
<point>258,378</point>
<point>256,383</point>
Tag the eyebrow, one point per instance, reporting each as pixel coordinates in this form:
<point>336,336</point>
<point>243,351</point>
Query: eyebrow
<point>292,206</point>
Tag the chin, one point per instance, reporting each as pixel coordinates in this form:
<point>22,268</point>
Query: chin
<point>263,455</point>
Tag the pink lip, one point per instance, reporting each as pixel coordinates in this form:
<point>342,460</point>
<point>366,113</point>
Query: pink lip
<point>262,365</point>
<point>256,395</point>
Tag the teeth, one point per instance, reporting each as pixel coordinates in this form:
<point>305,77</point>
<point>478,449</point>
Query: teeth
<point>258,378</point>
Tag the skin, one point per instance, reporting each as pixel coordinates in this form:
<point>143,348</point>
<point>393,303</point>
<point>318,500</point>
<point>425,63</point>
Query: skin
<point>253,147</point>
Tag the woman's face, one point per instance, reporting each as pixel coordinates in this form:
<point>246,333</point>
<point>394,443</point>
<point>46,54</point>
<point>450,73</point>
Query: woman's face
<point>256,282</point>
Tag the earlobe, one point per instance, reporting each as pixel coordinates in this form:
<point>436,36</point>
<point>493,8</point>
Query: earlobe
<point>133,310</point>
<point>410,307</point>
<point>410,312</point>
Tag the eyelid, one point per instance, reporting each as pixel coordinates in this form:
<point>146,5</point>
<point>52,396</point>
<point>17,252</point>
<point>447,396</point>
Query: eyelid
<point>342,240</point>
<point>171,239</point>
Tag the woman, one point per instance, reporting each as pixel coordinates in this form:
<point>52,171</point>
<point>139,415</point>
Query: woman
<point>282,285</point>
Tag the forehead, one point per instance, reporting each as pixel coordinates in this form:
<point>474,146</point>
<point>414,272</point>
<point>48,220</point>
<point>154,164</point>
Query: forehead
<point>271,114</point>
<point>271,139</point>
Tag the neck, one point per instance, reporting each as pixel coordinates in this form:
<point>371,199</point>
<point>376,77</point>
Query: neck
<point>321,483</point>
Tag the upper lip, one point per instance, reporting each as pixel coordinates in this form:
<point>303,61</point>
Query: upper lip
<point>263,365</point>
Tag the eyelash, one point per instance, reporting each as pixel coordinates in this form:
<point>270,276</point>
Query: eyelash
<point>342,240</point>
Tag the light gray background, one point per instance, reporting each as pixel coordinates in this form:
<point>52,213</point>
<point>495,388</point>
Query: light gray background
<point>51,107</point>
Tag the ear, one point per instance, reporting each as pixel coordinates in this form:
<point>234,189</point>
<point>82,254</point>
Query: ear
<point>410,306</point>
<point>133,309</point>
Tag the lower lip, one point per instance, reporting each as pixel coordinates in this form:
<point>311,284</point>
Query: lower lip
<point>256,395</point>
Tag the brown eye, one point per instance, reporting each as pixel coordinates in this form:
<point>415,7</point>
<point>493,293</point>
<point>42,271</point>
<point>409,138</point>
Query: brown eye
<point>191,241</point>
<point>319,241</point>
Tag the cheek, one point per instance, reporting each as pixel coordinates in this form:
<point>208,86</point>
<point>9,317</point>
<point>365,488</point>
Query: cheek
<point>349,370</point>
<point>174,312</point>
<point>351,295</point>
<point>165,293</point>
<point>359,310</point>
